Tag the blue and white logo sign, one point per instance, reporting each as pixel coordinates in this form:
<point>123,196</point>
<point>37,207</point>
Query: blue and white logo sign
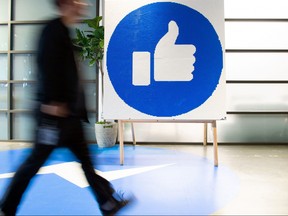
<point>164,59</point>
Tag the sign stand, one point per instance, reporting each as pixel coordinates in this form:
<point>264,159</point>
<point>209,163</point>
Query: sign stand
<point>121,124</point>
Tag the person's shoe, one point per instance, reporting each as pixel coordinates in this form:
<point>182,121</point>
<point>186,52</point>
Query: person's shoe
<point>114,205</point>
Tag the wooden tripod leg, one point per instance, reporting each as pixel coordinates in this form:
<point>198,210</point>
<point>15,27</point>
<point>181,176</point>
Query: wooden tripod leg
<point>215,144</point>
<point>133,133</point>
<point>205,134</point>
<point>121,141</point>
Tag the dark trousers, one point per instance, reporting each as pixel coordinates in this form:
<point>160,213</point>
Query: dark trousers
<point>71,135</point>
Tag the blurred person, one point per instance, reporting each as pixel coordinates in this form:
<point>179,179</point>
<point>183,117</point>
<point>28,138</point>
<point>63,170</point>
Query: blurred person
<point>60,113</point>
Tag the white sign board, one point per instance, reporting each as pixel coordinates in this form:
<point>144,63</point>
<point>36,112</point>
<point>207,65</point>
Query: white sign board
<point>164,59</point>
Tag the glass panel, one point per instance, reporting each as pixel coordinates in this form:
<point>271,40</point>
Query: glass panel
<point>167,132</point>
<point>3,37</point>
<point>256,8</point>
<point>25,37</point>
<point>24,67</point>
<point>3,126</point>
<point>256,35</point>
<point>3,96</point>
<point>90,92</point>
<point>41,10</point>
<point>256,66</point>
<point>88,72</point>
<point>257,97</point>
<point>253,128</point>
<point>23,126</point>
<point>3,67</point>
<point>4,10</point>
<point>91,13</point>
<point>23,96</point>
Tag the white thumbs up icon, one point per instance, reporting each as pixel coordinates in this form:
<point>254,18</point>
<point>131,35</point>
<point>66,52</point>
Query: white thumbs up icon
<point>172,62</point>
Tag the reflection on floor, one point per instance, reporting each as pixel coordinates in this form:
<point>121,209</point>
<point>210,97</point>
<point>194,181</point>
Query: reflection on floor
<point>166,180</point>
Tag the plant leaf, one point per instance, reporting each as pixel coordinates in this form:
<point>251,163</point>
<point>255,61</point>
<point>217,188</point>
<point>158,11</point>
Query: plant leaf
<point>91,42</point>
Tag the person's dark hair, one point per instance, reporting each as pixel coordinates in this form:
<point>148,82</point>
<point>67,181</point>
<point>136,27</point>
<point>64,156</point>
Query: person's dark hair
<point>58,3</point>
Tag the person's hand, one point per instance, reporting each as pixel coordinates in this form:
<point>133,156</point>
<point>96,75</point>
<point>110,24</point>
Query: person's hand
<point>173,62</point>
<point>55,109</point>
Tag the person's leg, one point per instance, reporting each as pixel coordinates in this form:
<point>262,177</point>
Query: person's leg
<point>108,200</point>
<point>22,177</point>
<point>101,188</point>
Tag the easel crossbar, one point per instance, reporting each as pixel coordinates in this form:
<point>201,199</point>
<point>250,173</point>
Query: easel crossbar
<point>205,122</point>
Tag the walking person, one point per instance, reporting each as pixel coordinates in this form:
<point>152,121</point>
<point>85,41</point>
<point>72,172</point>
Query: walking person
<point>60,113</point>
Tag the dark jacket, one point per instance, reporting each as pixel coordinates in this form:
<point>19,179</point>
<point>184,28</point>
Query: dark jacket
<point>58,78</point>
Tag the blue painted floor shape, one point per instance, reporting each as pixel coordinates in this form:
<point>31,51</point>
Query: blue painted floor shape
<point>164,182</point>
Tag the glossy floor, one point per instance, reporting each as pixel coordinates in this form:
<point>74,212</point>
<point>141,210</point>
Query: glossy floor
<point>165,179</point>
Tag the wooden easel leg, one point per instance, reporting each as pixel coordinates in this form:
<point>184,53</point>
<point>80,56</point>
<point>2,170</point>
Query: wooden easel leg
<point>133,134</point>
<point>215,144</point>
<point>205,134</point>
<point>121,142</point>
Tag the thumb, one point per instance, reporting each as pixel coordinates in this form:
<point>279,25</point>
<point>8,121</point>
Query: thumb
<point>171,36</point>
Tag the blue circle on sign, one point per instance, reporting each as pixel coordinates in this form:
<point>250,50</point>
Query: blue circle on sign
<point>140,31</point>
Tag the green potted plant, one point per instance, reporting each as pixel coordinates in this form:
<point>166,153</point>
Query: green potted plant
<point>91,46</point>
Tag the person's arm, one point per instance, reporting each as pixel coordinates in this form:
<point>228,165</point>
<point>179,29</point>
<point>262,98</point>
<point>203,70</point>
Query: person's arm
<point>52,63</point>
<point>55,109</point>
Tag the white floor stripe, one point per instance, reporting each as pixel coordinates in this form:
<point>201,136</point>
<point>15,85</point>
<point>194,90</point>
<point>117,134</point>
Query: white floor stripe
<point>72,172</point>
